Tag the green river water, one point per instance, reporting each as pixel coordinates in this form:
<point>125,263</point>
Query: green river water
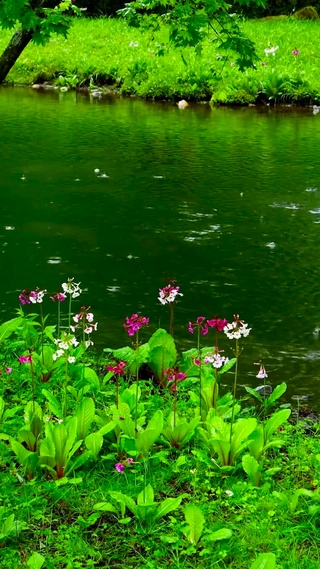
<point>226,201</point>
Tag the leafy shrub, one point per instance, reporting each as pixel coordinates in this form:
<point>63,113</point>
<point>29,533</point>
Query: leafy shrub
<point>307,13</point>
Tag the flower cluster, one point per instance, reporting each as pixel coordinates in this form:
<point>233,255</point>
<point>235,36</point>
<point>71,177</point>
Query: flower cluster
<point>133,324</point>
<point>216,359</point>
<point>64,344</point>
<point>234,330</point>
<point>117,368</point>
<point>86,318</point>
<point>59,296</point>
<point>173,376</point>
<point>201,324</point>
<point>25,359</point>
<point>218,323</point>
<point>32,296</point>
<point>72,288</point>
<point>120,466</point>
<point>169,293</point>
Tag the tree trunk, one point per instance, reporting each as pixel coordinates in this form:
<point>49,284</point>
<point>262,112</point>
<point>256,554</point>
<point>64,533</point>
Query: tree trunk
<point>18,42</point>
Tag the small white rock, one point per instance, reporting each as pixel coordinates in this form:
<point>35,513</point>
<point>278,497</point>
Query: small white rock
<point>182,104</point>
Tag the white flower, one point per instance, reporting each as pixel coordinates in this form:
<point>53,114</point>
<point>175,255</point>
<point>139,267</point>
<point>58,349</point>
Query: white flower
<point>76,318</point>
<point>58,354</point>
<point>73,329</point>
<point>71,359</point>
<point>90,317</point>
<point>271,50</point>
<point>236,329</point>
<point>74,342</point>
<point>72,288</point>
<point>133,44</point>
<point>229,493</point>
<point>88,343</point>
<point>216,360</point>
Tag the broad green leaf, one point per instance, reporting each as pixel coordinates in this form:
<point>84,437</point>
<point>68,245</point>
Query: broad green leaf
<point>124,499</point>
<point>275,421</point>
<point>35,561</point>
<point>296,496</point>
<point>241,431</point>
<point>105,507</point>
<point>147,438</point>
<point>278,391</point>
<point>162,354</point>
<point>228,366</point>
<point>252,468</point>
<point>20,451</point>
<point>54,404</point>
<point>2,406</point>
<point>107,428</point>
<point>7,328</point>
<point>223,533</point>
<point>93,443</point>
<point>91,377</point>
<point>195,520</point>
<point>264,561</point>
<point>78,462</point>
<point>146,496</point>
<point>85,415</point>
<point>254,393</point>
<point>168,505</point>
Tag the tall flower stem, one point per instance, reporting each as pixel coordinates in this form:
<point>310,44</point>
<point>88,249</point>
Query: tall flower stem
<point>137,382</point>
<point>64,405</point>
<point>171,318</point>
<point>174,388</point>
<point>59,316</point>
<point>42,332</point>
<point>215,389</point>
<point>237,353</point>
<point>33,381</point>
<point>117,390</point>
<point>69,316</point>
<point>200,375</point>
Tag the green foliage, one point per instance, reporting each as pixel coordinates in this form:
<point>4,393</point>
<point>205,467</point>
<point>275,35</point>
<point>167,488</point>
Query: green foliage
<point>264,561</point>
<point>9,527</point>
<point>162,354</point>
<point>226,441</point>
<point>195,520</point>
<point>179,431</point>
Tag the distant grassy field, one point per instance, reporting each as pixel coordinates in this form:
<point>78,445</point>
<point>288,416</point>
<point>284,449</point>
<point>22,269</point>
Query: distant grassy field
<point>108,52</point>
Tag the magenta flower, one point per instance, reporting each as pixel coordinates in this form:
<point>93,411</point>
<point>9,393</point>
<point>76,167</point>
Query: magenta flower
<point>25,359</point>
<point>59,296</point>
<point>117,368</point>
<point>218,323</point>
<point>295,51</point>
<point>174,376</point>
<point>129,460</point>
<point>8,369</point>
<point>133,324</point>
<point>32,296</point>
<point>169,293</point>
<point>201,324</point>
<point>119,467</point>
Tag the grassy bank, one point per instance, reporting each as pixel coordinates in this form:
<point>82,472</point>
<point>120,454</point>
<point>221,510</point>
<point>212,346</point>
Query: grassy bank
<point>108,52</point>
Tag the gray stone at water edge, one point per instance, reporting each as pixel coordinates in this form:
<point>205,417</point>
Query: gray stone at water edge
<point>264,390</point>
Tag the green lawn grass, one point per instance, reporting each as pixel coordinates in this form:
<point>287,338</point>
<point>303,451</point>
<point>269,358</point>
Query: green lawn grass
<point>108,52</point>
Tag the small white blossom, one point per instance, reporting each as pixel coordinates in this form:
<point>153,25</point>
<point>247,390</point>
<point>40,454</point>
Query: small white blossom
<point>90,317</point>
<point>88,343</point>
<point>229,493</point>
<point>71,359</point>
<point>235,330</point>
<point>74,342</point>
<point>271,50</point>
<point>72,288</point>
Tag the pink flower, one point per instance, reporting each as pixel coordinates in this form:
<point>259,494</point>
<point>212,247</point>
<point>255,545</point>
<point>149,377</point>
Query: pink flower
<point>117,368</point>
<point>129,460</point>
<point>32,296</point>
<point>218,323</point>
<point>119,467</point>
<point>262,374</point>
<point>174,376</point>
<point>59,296</point>
<point>169,293</point>
<point>199,323</point>
<point>8,369</point>
<point>25,359</point>
<point>295,51</point>
<point>133,324</point>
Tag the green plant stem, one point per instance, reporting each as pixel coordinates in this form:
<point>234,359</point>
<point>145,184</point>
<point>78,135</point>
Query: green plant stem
<point>33,381</point>
<point>58,327</point>
<point>234,389</point>
<point>174,404</point>
<point>200,376</point>
<point>137,383</point>
<point>69,315</point>
<point>117,390</point>
<point>171,318</point>
<point>64,407</point>
<point>215,390</point>
<point>42,332</point>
